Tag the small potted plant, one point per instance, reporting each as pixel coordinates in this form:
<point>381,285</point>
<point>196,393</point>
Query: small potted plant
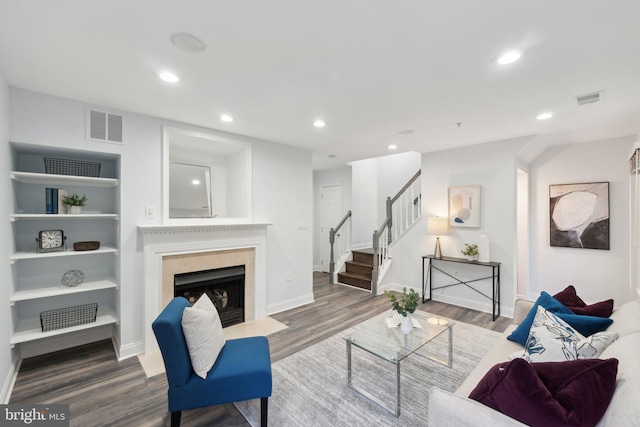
<point>404,306</point>
<point>470,251</point>
<point>75,203</point>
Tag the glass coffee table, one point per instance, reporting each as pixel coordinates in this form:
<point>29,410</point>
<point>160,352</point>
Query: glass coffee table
<point>390,344</point>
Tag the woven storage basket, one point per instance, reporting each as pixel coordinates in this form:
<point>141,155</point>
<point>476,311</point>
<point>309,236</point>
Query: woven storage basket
<point>57,166</point>
<point>67,317</point>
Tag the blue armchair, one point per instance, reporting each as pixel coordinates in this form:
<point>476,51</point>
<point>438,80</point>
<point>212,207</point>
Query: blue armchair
<point>242,370</point>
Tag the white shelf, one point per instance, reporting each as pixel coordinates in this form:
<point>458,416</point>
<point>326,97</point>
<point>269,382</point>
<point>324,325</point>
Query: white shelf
<point>18,217</point>
<point>51,180</point>
<point>52,291</point>
<point>69,252</point>
<point>30,329</point>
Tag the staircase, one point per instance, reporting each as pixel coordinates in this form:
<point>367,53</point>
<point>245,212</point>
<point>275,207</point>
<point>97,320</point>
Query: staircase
<point>359,270</point>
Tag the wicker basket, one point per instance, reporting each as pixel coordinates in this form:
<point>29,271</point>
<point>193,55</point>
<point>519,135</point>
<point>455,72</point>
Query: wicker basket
<point>55,166</point>
<point>67,317</point>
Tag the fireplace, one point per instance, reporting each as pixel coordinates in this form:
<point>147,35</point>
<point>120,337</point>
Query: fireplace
<point>223,286</point>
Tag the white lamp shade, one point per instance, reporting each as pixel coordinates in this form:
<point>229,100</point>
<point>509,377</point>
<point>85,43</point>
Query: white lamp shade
<point>438,226</point>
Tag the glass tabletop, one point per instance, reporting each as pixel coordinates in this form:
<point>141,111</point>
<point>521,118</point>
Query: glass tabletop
<point>376,337</point>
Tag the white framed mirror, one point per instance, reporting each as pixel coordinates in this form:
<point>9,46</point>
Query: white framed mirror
<point>206,178</point>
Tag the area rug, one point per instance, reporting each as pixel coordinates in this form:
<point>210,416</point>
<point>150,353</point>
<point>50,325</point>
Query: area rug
<point>309,387</point>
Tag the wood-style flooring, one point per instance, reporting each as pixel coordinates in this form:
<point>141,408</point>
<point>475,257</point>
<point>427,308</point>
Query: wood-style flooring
<point>102,391</point>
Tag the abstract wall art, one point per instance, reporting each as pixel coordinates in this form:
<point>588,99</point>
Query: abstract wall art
<point>464,206</point>
<point>579,215</point>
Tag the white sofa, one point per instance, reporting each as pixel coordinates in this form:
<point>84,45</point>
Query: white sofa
<point>457,410</point>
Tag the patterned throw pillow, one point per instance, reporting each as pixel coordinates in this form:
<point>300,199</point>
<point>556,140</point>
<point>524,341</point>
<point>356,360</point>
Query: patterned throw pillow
<point>203,332</point>
<point>553,340</point>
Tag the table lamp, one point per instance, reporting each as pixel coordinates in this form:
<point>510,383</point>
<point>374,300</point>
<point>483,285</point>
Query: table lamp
<point>439,227</point>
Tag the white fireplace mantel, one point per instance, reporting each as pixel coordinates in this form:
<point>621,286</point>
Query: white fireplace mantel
<point>164,240</point>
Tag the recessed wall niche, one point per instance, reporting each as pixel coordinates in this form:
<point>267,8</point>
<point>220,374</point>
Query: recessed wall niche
<point>206,178</point>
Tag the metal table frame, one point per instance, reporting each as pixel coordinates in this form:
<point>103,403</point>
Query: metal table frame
<point>394,409</point>
<point>495,279</point>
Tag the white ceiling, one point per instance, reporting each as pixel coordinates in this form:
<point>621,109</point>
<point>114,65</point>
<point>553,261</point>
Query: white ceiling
<point>370,68</point>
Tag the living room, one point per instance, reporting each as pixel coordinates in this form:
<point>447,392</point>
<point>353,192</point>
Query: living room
<point>580,144</point>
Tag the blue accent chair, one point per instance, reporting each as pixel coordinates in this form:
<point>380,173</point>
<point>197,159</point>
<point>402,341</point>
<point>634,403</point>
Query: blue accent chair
<point>241,372</point>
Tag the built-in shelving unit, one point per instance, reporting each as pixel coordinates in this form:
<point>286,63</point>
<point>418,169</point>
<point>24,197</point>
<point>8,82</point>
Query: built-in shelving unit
<point>37,284</point>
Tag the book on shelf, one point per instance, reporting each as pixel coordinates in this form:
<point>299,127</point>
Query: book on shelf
<point>54,203</point>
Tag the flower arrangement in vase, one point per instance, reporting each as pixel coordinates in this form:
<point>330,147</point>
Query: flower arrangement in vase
<point>404,306</point>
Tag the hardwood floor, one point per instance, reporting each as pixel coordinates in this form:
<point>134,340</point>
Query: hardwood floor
<point>104,392</point>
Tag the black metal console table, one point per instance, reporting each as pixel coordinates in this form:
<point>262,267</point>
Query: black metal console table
<point>495,277</point>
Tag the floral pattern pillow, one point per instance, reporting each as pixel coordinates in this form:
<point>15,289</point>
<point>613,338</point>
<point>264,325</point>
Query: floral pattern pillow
<point>551,339</point>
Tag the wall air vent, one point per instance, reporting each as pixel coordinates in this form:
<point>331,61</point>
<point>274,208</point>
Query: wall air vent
<point>105,127</point>
<point>589,98</point>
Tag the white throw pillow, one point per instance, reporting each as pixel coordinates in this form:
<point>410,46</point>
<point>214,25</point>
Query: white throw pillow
<point>203,332</point>
<point>551,339</point>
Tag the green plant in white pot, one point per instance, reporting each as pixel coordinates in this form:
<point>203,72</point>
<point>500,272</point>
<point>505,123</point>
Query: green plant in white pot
<point>75,203</point>
<point>404,306</point>
<point>471,251</point>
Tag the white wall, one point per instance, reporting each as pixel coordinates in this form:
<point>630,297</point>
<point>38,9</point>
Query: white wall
<point>596,274</point>
<point>282,194</point>
<point>340,176</point>
<point>364,196</point>
<point>6,362</point>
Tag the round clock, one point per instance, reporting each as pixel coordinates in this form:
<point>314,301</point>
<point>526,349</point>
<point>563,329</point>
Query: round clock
<point>51,240</point>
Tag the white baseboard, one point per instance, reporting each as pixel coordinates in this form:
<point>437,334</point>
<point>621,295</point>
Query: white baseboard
<point>129,350</point>
<point>289,304</point>
<point>10,381</point>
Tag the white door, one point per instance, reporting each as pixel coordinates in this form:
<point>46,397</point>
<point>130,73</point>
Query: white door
<point>330,215</point>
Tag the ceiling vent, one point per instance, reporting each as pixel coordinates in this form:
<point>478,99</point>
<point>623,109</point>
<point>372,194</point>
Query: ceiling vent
<point>104,127</point>
<point>589,98</point>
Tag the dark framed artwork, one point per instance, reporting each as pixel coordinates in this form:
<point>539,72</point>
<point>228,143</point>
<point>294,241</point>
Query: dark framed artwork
<point>579,215</point>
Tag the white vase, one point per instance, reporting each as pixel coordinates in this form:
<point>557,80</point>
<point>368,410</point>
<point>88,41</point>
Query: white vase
<point>406,326</point>
<point>75,209</point>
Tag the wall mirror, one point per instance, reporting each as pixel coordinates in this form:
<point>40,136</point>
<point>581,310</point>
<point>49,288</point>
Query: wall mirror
<point>206,178</point>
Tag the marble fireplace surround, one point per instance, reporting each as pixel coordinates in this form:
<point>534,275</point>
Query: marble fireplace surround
<point>171,249</point>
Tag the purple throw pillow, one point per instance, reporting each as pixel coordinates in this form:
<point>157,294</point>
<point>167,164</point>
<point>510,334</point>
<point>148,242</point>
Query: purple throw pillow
<point>569,297</point>
<point>570,393</point>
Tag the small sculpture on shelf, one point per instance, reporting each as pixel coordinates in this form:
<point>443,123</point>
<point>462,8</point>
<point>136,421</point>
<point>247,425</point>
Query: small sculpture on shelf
<point>72,278</point>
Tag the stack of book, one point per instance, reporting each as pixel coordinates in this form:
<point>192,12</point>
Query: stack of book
<point>54,204</point>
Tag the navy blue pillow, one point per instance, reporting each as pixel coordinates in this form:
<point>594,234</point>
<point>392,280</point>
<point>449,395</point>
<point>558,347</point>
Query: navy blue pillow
<point>586,325</point>
<point>521,333</point>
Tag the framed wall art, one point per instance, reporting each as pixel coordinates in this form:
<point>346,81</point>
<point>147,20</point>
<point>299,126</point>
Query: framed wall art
<point>464,206</point>
<point>579,215</point>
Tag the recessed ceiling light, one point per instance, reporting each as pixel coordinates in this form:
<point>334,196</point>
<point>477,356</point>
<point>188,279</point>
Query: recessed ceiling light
<point>195,182</point>
<point>509,57</point>
<point>545,116</point>
<point>168,76</point>
<point>226,118</point>
<point>188,43</point>
<point>392,146</point>
<point>319,123</point>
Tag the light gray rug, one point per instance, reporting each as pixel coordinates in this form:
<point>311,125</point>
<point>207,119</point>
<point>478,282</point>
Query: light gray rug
<point>309,387</point>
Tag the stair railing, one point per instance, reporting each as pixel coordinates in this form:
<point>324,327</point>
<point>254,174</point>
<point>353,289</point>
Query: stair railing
<point>403,210</point>
<point>380,253</point>
<point>343,244</point>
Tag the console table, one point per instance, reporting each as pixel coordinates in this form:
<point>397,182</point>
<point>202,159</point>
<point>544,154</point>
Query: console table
<point>495,278</point>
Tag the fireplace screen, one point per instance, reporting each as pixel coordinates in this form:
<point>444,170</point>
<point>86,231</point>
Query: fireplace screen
<point>224,286</point>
